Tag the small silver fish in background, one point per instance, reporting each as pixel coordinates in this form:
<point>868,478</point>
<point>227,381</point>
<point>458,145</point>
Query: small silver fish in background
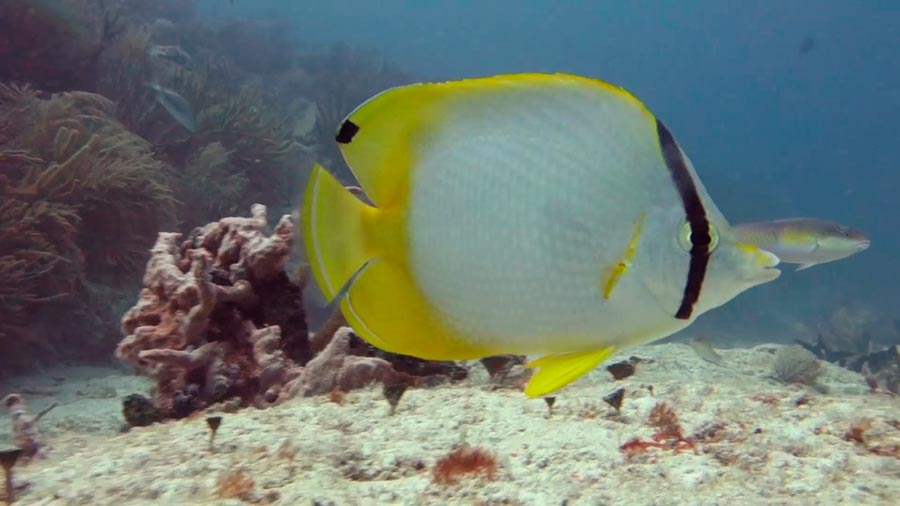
<point>705,350</point>
<point>173,54</point>
<point>176,105</point>
<point>804,241</point>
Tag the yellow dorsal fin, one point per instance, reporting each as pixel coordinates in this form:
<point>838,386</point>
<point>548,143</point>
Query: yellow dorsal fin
<point>381,138</point>
<point>557,371</point>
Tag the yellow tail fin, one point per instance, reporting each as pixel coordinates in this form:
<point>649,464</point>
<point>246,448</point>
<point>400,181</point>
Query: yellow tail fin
<point>332,221</point>
<point>350,241</point>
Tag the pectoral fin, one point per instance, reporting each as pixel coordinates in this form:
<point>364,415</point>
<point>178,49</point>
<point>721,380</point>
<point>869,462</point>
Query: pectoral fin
<point>557,371</point>
<point>804,266</point>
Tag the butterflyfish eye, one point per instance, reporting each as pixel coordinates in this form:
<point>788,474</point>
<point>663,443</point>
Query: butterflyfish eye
<point>687,240</point>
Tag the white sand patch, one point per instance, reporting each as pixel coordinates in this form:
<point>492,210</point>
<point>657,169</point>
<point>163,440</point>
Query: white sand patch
<point>766,443</point>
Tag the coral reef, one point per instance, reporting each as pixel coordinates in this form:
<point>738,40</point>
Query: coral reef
<point>336,368</point>
<point>90,174</point>
<point>211,184</point>
<point>845,338</point>
<point>80,200</point>
<point>848,329</point>
<point>54,45</point>
<point>207,325</point>
<point>244,149</point>
<point>103,173</point>
<point>219,319</point>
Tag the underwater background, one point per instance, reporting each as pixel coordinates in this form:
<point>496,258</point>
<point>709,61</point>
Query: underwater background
<point>783,108</point>
<point>122,121</point>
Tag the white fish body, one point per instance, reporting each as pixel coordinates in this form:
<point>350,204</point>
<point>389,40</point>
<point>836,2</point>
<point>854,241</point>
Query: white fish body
<point>515,252</point>
<point>530,214</point>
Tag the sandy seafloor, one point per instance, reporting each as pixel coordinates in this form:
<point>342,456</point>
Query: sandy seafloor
<point>775,444</point>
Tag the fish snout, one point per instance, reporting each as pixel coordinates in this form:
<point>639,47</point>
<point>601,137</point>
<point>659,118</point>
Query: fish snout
<point>769,263</point>
<point>769,260</point>
<point>863,244</point>
<point>759,264</point>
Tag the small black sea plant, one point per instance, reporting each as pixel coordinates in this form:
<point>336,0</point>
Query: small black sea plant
<point>393,392</point>
<point>615,399</point>
<point>551,400</point>
<point>213,422</point>
<point>8,459</point>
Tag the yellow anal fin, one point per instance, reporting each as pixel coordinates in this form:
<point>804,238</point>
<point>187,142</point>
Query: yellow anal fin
<point>385,308</point>
<point>334,231</point>
<point>614,273</point>
<point>557,371</point>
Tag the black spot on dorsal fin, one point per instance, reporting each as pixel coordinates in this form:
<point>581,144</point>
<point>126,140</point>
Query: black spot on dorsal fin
<point>347,131</point>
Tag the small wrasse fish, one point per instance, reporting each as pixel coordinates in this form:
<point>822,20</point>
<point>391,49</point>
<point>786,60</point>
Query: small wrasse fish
<point>176,105</point>
<point>530,214</point>
<point>804,241</point>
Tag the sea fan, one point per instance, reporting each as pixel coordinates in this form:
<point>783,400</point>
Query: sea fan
<point>794,364</point>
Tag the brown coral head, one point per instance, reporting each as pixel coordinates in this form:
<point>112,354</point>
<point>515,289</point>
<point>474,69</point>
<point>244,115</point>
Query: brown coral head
<point>214,422</point>
<point>8,458</point>
<point>621,370</point>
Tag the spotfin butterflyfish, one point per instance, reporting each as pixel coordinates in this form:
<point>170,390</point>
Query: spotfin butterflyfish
<point>547,215</point>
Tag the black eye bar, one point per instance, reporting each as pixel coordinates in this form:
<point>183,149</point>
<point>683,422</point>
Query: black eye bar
<point>700,236</point>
